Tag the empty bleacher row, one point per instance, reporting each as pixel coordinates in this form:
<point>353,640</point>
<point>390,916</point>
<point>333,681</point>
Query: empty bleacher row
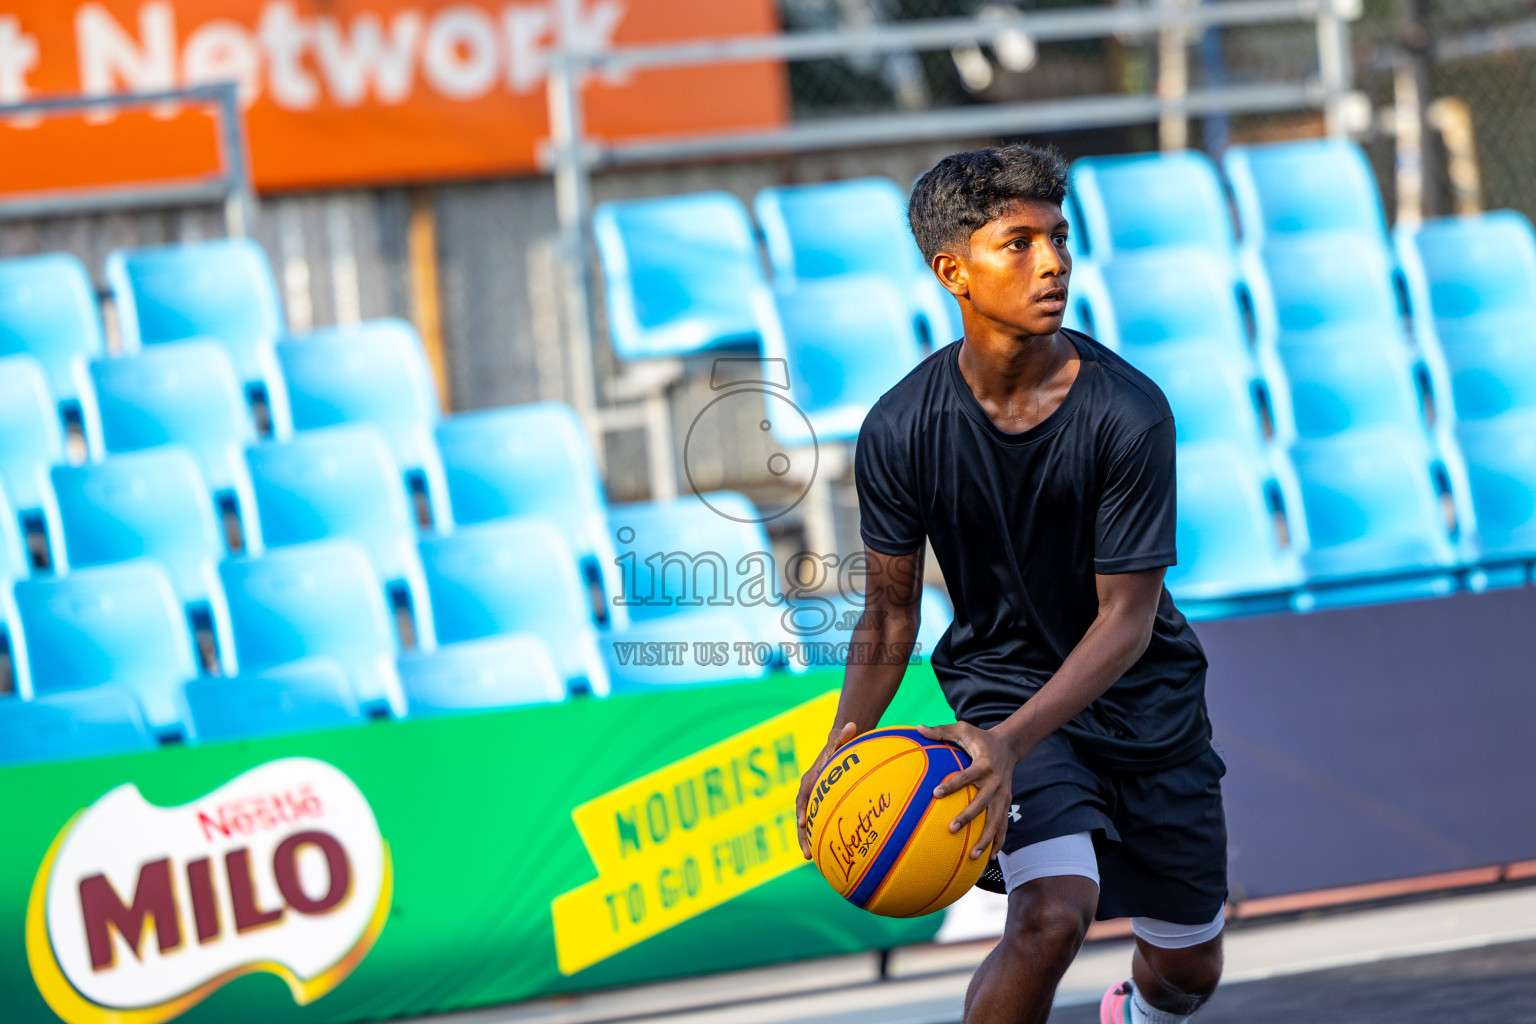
<point>261,534</point>
<point>1356,407</point>
<point>850,306</point>
<point>1375,456</point>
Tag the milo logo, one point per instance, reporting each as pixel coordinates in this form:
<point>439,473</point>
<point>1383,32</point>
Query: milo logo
<point>139,912</point>
<point>828,780</point>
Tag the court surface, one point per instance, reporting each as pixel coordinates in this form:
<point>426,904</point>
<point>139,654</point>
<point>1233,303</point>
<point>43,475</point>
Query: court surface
<point>1462,959</point>
<point>1491,984</point>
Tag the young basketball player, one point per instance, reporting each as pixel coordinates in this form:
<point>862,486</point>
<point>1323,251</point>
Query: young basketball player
<point>1040,467</point>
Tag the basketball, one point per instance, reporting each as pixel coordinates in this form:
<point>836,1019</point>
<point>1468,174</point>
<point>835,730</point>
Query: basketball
<point>878,835</point>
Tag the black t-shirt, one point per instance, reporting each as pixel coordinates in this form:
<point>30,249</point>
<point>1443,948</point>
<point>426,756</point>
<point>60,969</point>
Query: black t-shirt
<point>1020,524</point>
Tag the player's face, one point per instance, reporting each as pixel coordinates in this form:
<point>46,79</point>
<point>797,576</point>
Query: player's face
<point>1017,269</point>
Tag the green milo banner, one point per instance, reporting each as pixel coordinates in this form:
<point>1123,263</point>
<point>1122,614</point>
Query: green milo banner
<point>422,866</point>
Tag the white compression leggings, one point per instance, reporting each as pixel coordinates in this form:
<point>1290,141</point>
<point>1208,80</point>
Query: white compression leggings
<point>1074,855</point>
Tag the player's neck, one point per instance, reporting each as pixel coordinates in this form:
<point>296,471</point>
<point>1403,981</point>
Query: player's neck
<point>1019,379</point>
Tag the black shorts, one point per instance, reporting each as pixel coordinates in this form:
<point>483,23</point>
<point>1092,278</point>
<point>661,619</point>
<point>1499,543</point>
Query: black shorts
<point>1160,836</point>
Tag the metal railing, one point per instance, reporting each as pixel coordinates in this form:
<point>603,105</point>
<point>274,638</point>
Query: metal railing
<point>1325,92</point>
<point>230,185</point>
<point>571,155</point>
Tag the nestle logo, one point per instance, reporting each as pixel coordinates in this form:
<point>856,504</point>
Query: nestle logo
<point>259,813</point>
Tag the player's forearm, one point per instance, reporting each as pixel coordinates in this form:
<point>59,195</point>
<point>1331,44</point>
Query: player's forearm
<point>1110,647</point>
<point>877,661</point>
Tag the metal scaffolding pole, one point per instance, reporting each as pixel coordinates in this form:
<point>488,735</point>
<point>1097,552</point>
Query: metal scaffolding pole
<point>573,206</point>
<point>1417,167</point>
<point>945,33</point>
<point>1335,63</point>
<point>1173,80</point>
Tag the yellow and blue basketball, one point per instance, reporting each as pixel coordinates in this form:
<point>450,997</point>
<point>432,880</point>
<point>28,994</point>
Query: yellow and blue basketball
<point>877,833</point>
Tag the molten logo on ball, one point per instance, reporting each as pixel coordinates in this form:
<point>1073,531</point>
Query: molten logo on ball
<point>878,835</point>
<point>833,772</point>
<point>139,912</point>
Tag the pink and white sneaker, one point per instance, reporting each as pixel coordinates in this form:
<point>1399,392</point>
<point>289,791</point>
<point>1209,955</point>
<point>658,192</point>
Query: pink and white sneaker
<point>1115,1007</point>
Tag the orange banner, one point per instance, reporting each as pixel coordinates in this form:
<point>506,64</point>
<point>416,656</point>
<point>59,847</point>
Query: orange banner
<point>348,92</point>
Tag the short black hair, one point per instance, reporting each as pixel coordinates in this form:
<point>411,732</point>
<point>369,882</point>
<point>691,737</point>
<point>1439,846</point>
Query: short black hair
<point>965,191</point>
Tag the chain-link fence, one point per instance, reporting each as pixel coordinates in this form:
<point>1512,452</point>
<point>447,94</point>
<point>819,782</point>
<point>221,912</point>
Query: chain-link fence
<point>1014,68</point>
<point>1480,57</point>
<point>1484,52</point>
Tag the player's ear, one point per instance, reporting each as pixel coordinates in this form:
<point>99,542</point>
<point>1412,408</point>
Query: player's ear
<point>952,274</point>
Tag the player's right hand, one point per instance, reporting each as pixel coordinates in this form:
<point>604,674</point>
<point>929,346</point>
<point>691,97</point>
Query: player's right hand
<point>808,782</point>
<point>991,772</point>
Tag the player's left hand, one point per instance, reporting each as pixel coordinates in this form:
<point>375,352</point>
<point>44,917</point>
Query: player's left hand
<point>991,772</point>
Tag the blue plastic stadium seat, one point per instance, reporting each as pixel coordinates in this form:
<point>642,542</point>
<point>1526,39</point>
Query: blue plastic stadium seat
<point>31,443</point>
<point>1149,201</point>
<point>48,310</point>
<point>342,482</point>
<point>1175,315</point>
<point>1473,266</point>
<point>301,696</point>
<point>1231,559</point>
<point>98,722</point>
<point>1307,282</point>
<point>531,460</point>
<point>13,647</point>
<point>1327,382</point>
<point>374,372</point>
<point>1492,368</point>
<point>937,616</point>
<point>113,624</point>
<point>824,622</point>
<point>1209,387</point>
<point>515,576</point>
<point>683,559</point>
<point>183,393</point>
<point>1288,188</point>
<point>846,341</point>
<point>315,600</point>
<point>1087,299</point>
<point>148,504</point>
<point>221,288</point>
<point>481,675</point>
<point>15,563</point>
<point>663,654</point>
<point>1371,508</point>
<point>678,273</point>
<point>1472,284</point>
<point>1167,297</point>
<point>1331,337</point>
<point>1499,456</point>
<point>858,226</point>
